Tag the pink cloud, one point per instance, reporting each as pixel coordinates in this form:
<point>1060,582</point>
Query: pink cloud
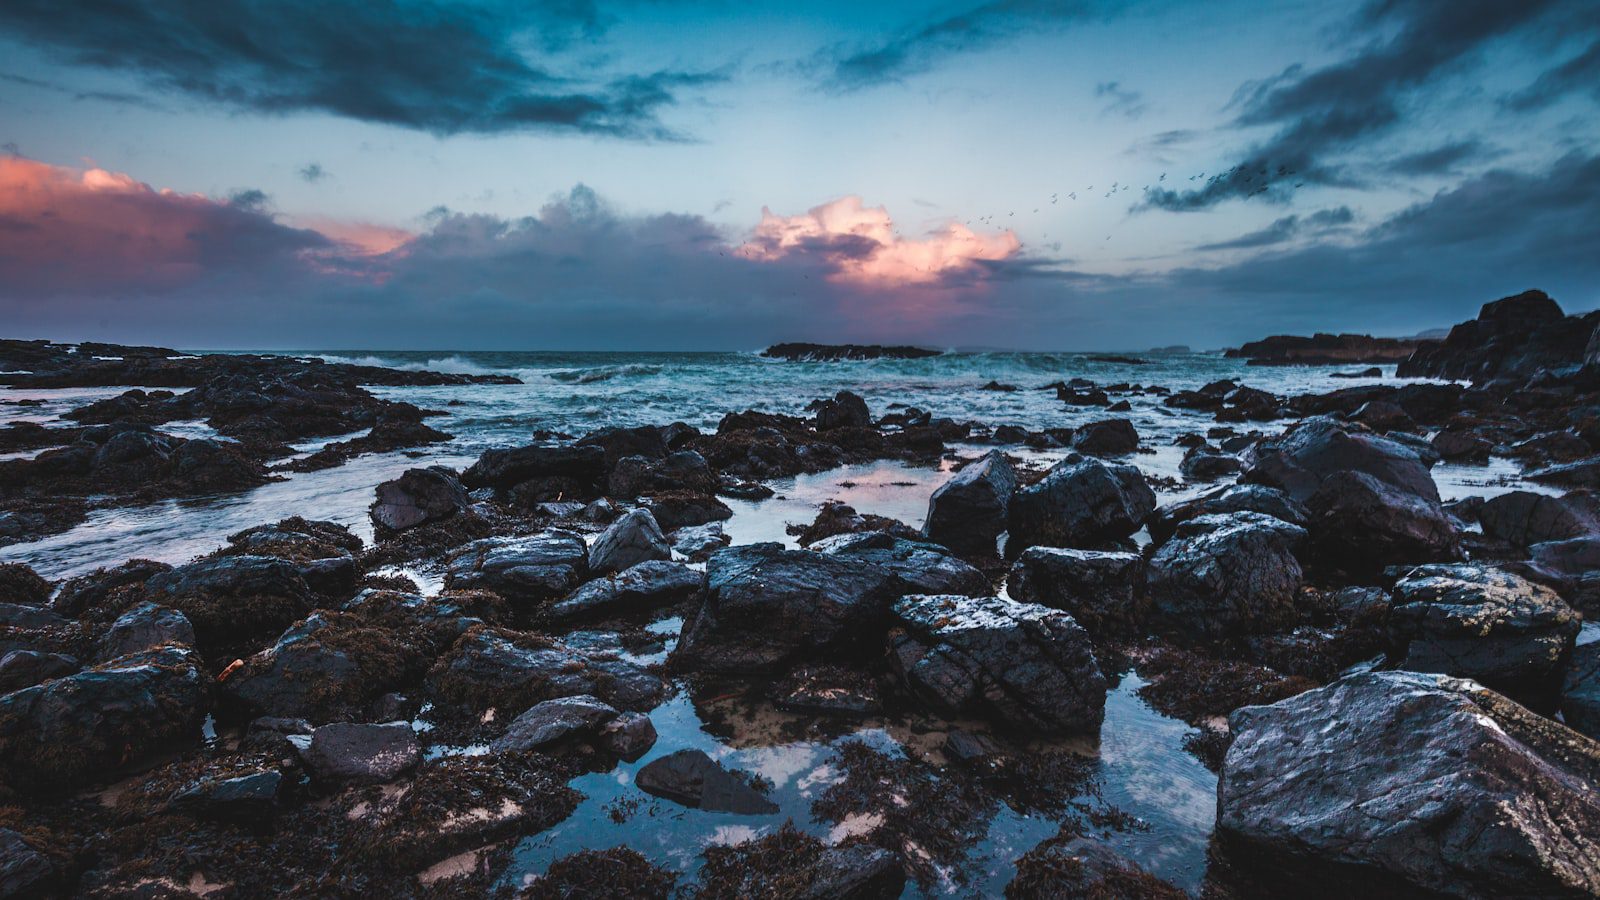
<point>860,245</point>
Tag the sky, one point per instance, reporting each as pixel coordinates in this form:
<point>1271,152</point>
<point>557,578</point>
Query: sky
<point>658,175</point>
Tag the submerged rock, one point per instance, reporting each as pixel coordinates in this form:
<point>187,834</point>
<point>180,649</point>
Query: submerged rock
<point>1416,779</point>
<point>766,607</point>
<point>1023,665</point>
<point>968,512</point>
<point>692,778</point>
<point>1079,503</point>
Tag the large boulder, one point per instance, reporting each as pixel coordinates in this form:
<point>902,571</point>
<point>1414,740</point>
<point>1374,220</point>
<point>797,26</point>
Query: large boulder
<point>845,410</point>
<point>1490,625</point>
<point>968,512</point>
<point>1422,782</point>
<point>25,668</point>
<point>555,721</point>
<point>1580,693</point>
<point>1524,518</point>
<point>1108,437</point>
<point>1226,575</point>
<point>1079,503</point>
<point>1360,524</point>
<point>22,585</point>
<point>652,584</point>
<point>236,603</point>
<point>508,671</point>
<point>1514,337</point>
<point>1022,665</point>
<point>524,570</point>
<point>1231,499</point>
<point>1102,589</point>
<point>684,470</point>
<point>631,539</point>
<point>1299,460</point>
<point>145,627</point>
<point>581,467</point>
<point>766,607</point>
<point>419,497</point>
<point>87,726</point>
<point>921,567</point>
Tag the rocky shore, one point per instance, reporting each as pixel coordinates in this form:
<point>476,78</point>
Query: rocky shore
<point>1392,690</point>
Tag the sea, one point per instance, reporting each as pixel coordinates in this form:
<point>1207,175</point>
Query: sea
<point>1141,766</point>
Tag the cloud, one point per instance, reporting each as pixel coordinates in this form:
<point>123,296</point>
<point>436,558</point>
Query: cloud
<point>859,244</point>
<point>1441,160</point>
<point>436,67</point>
<point>1581,73</point>
<point>1119,100</point>
<point>852,67</point>
<point>313,173</point>
<point>1322,113</point>
<point>74,232</point>
<point>1287,228</point>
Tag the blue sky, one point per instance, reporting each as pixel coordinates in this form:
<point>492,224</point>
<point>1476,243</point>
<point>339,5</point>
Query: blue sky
<point>596,174</point>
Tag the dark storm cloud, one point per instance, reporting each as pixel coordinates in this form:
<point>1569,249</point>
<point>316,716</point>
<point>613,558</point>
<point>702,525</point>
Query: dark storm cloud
<point>1287,228</point>
<point>436,67</point>
<point>852,67</point>
<point>1120,100</point>
<point>1322,113</point>
<point>1441,160</point>
<point>1580,73</point>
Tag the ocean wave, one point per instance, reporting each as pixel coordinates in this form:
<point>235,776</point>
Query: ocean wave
<point>450,365</point>
<point>605,373</point>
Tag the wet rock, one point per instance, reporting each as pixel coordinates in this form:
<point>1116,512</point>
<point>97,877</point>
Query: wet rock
<point>696,780</point>
<point>1023,665</point>
<point>1298,461</point>
<point>682,509</point>
<point>1206,463</point>
<point>241,798</point>
<point>629,736</point>
<point>1102,590</point>
<point>1108,437</point>
<point>25,668</point>
<point>1580,697</point>
<point>856,872</point>
<point>330,666</point>
<point>271,735</point>
<point>1224,575</point>
<point>21,585</point>
<point>96,590</point>
<point>584,467</point>
<point>1476,622</point>
<point>1361,524</point>
<point>1080,867</point>
<point>14,615</point>
<point>765,607</point>
<point>24,871</point>
<point>845,410</point>
<point>835,519</point>
<point>1524,518</point>
<point>145,627</point>
<point>698,542</point>
<point>648,585</point>
<point>1079,503</point>
<point>83,727</point>
<point>234,602</point>
<point>1412,778</point>
<point>1459,445</point>
<point>553,721</point>
<point>1382,415</point>
<point>349,753</point>
<point>1551,447</point>
<point>632,539</point>
<point>524,570</point>
<point>921,567</point>
<point>1233,498</point>
<point>1513,336</point>
<point>968,512</point>
<point>684,470</point>
<point>507,671</point>
<point>827,691</point>
<point>419,497</point>
<point>1582,473</point>
<point>294,539</point>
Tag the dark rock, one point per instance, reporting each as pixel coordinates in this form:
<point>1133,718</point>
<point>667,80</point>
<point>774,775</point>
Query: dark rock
<point>1079,503</point>
<point>696,780</point>
<point>1230,499</point>
<point>856,872</point>
<point>1475,622</point>
<point>1372,372</point>
<point>1103,590</point>
<point>1023,665</point>
<point>997,386</point>
<point>632,539</point>
<point>1512,337</point>
<point>419,497</point>
<point>766,606</point>
<point>1413,778</point>
<point>1459,445</point>
<point>553,721</point>
<point>145,627</point>
<point>684,470</point>
<point>968,512</point>
<point>1324,350</point>
<point>803,352</point>
<point>1224,575</point>
<point>1580,696</point>
<point>347,753</point>
<point>1206,463</point>
<point>1361,524</point>
<point>245,799</point>
<point>508,671</point>
<point>698,542</point>
<point>24,871</point>
<point>629,736</point>
<point>1524,518</point>
<point>921,567</point>
<point>827,691</point>
<point>505,469</point>
<point>524,570</point>
<point>835,519</point>
<point>1108,437</point>
<point>21,585</point>
<point>646,586</point>
<point>845,410</point>
<point>684,509</point>
<point>332,665</point>
<point>74,730</point>
<point>1080,867</point>
<point>1300,459</point>
<point>25,668</point>
<point>1381,415</point>
<point>1583,473</point>
<point>233,602</point>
